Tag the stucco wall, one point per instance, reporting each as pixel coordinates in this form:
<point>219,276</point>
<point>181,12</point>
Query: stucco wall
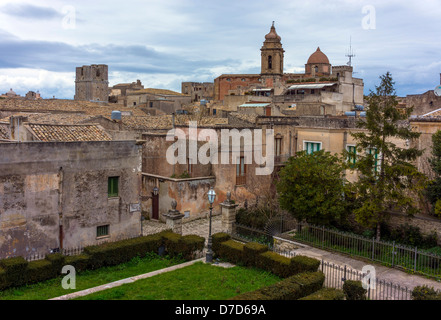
<point>38,181</point>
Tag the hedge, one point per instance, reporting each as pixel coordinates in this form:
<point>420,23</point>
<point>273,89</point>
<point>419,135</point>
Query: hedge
<point>354,290</point>
<point>291,288</point>
<point>217,239</point>
<point>326,294</point>
<point>275,263</point>
<point>254,254</point>
<point>232,251</point>
<point>17,271</point>
<point>425,292</point>
<point>251,251</point>
<point>186,246</point>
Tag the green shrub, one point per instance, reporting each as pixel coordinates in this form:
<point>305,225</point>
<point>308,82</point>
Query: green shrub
<point>326,294</point>
<point>190,244</point>
<point>231,251</point>
<point>217,239</point>
<point>291,288</point>
<point>79,262</point>
<point>40,270</point>
<point>251,250</point>
<point>274,263</point>
<point>354,290</point>
<point>14,270</point>
<point>110,254</point>
<point>309,282</point>
<point>57,261</point>
<point>300,264</point>
<point>424,293</point>
<point>3,279</point>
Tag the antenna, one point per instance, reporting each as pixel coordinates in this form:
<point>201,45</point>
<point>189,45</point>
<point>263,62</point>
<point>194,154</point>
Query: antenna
<point>350,53</point>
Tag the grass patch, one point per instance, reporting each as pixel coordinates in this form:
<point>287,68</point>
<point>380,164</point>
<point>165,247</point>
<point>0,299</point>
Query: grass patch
<point>199,281</point>
<point>90,278</point>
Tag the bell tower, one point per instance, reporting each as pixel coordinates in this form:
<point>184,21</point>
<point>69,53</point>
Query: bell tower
<point>272,54</point>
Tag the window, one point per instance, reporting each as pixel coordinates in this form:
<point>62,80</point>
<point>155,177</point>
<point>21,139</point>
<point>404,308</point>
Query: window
<point>214,112</point>
<point>352,157</point>
<point>241,170</point>
<point>316,69</point>
<point>113,186</point>
<point>102,231</point>
<point>311,147</point>
<point>151,104</point>
<point>374,152</point>
<point>270,62</point>
<point>278,146</point>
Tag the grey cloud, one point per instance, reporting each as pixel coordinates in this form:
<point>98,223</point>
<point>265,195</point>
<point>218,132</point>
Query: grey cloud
<point>29,11</point>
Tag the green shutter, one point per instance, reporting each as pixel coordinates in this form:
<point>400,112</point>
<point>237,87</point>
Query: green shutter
<point>113,186</point>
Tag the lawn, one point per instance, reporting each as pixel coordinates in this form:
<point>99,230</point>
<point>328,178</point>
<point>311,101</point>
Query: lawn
<point>199,281</point>
<point>90,278</point>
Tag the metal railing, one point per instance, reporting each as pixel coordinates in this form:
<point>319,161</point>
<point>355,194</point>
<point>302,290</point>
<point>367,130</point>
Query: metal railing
<point>388,253</point>
<point>336,275</point>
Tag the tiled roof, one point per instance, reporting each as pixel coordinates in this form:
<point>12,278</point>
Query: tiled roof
<point>251,118</point>
<point>166,121</point>
<point>158,91</point>
<point>433,114</point>
<point>66,133</point>
<point>66,106</point>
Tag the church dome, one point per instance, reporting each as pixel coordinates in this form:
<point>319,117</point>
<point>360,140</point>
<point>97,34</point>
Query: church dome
<point>318,57</point>
<point>272,35</point>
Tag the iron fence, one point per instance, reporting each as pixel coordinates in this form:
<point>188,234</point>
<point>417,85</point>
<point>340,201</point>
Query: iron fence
<point>388,253</point>
<point>336,275</point>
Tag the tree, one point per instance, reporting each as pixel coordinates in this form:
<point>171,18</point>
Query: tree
<point>388,179</point>
<point>434,186</point>
<point>311,187</point>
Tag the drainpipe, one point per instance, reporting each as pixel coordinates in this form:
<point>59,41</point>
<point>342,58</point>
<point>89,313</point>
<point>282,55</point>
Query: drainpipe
<point>60,206</point>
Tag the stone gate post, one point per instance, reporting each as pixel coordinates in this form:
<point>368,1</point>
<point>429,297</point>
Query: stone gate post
<point>228,215</point>
<point>173,218</point>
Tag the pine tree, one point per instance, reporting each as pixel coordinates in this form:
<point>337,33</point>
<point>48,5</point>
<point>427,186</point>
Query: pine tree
<point>387,176</point>
<point>434,186</point>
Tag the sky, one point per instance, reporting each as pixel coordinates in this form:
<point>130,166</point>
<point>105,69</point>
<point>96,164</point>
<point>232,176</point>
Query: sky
<point>166,42</point>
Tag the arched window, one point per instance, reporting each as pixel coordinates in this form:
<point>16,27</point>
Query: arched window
<point>98,72</point>
<point>270,62</point>
<point>316,69</point>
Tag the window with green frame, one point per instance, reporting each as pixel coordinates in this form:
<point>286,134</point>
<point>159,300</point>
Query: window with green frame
<point>113,187</point>
<point>311,147</point>
<point>352,155</point>
<point>374,152</point>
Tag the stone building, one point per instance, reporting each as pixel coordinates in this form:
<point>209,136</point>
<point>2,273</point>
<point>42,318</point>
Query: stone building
<point>321,89</point>
<point>57,195</point>
<point>198,90</point>
<point>91,83</point>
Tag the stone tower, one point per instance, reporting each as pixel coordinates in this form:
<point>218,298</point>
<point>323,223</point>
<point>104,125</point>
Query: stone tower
<point>272,54</point>
<point>91,83</point>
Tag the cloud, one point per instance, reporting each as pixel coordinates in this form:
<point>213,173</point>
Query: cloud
<point>29,11</point>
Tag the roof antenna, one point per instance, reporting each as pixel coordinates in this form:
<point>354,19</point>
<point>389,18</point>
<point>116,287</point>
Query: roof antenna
<point>350,53</point>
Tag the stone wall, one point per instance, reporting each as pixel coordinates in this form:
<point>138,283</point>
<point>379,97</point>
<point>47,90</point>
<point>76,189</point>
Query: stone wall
<point>45,185</point>
<point>427,225</point>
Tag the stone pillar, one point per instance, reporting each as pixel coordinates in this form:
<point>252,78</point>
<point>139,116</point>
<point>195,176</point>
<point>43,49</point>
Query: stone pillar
<point>228,215</point>
<point>173,219</point>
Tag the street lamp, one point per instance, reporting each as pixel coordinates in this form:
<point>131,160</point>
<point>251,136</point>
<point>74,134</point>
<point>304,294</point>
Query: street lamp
<point>211,197</point>
<point>155,191</point>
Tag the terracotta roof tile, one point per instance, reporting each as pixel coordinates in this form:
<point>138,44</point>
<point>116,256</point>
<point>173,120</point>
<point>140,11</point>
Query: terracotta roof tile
<point>66,133</point>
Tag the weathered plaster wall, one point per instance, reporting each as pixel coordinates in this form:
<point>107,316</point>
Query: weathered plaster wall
<point>40,180</point>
